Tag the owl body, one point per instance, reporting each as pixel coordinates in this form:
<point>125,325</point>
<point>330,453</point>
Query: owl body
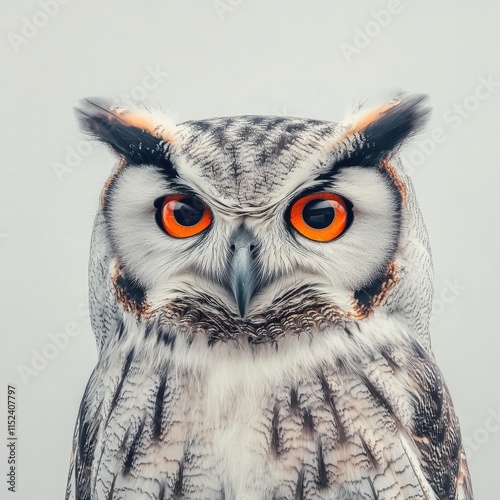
<point>260,291</point>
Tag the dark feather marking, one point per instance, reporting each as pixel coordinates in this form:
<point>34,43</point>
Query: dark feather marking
<point>322,475</point>
<point>341,365</point>
<point>436,394</point>
<point>307,421</point>
<point>386,355</point>
<point>121,329</point>
<point>133,293</point>
<point>275,437</point>
<point>419,351</point>
<point>123,446</point>
<point>129,460</point>
<point>84,463</point>
<point>179,480</point>
<point>330,400</point>
<point>87,436</point>
<point>455,449</point>
<point>299,490</point>
<point>447,484</point>
<point>116,395</point>
<point>168,337</point>
<point>366,295</point>
<point>369,455</point>
<point>294,399</point>
<point>161,492</point>
<point>379,398</point>
<point>111,489</point>
<point>372,487</point>
<point>158,414</point>
<point>222,493</point>
<point>150,327</point>
<point>159,335</point>
<point>84,439</point>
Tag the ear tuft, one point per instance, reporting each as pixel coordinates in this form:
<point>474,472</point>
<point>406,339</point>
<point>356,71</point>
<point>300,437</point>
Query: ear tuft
<point>137,136</point>
<point>381,131</point>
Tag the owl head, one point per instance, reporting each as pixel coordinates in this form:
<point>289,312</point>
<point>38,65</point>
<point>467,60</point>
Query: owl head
<point>250,226</point>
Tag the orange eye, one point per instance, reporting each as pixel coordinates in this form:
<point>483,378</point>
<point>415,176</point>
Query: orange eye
<point>320,216</point>
<point>184,216</point>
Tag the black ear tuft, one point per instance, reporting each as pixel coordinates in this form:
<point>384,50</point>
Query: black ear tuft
<point>384,129</point>
<point>132,135</point>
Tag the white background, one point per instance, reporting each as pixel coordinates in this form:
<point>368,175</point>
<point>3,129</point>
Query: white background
<point>224,58</point>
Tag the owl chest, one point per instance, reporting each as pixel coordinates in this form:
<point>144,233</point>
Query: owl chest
<point>220,436</point>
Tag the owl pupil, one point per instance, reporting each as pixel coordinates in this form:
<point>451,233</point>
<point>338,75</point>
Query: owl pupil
<point>188,211</point>
<point>318,214</point>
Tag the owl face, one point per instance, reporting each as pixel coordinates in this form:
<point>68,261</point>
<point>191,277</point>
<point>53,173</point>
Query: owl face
<point>249,211</point>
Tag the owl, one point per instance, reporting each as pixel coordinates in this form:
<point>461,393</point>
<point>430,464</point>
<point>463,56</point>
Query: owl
<point>260,293</point>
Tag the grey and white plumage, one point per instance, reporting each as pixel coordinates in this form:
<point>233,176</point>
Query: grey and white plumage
<point>326,387</point>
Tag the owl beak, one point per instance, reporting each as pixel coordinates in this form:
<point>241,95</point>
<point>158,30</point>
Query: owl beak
<point>242,276</point>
